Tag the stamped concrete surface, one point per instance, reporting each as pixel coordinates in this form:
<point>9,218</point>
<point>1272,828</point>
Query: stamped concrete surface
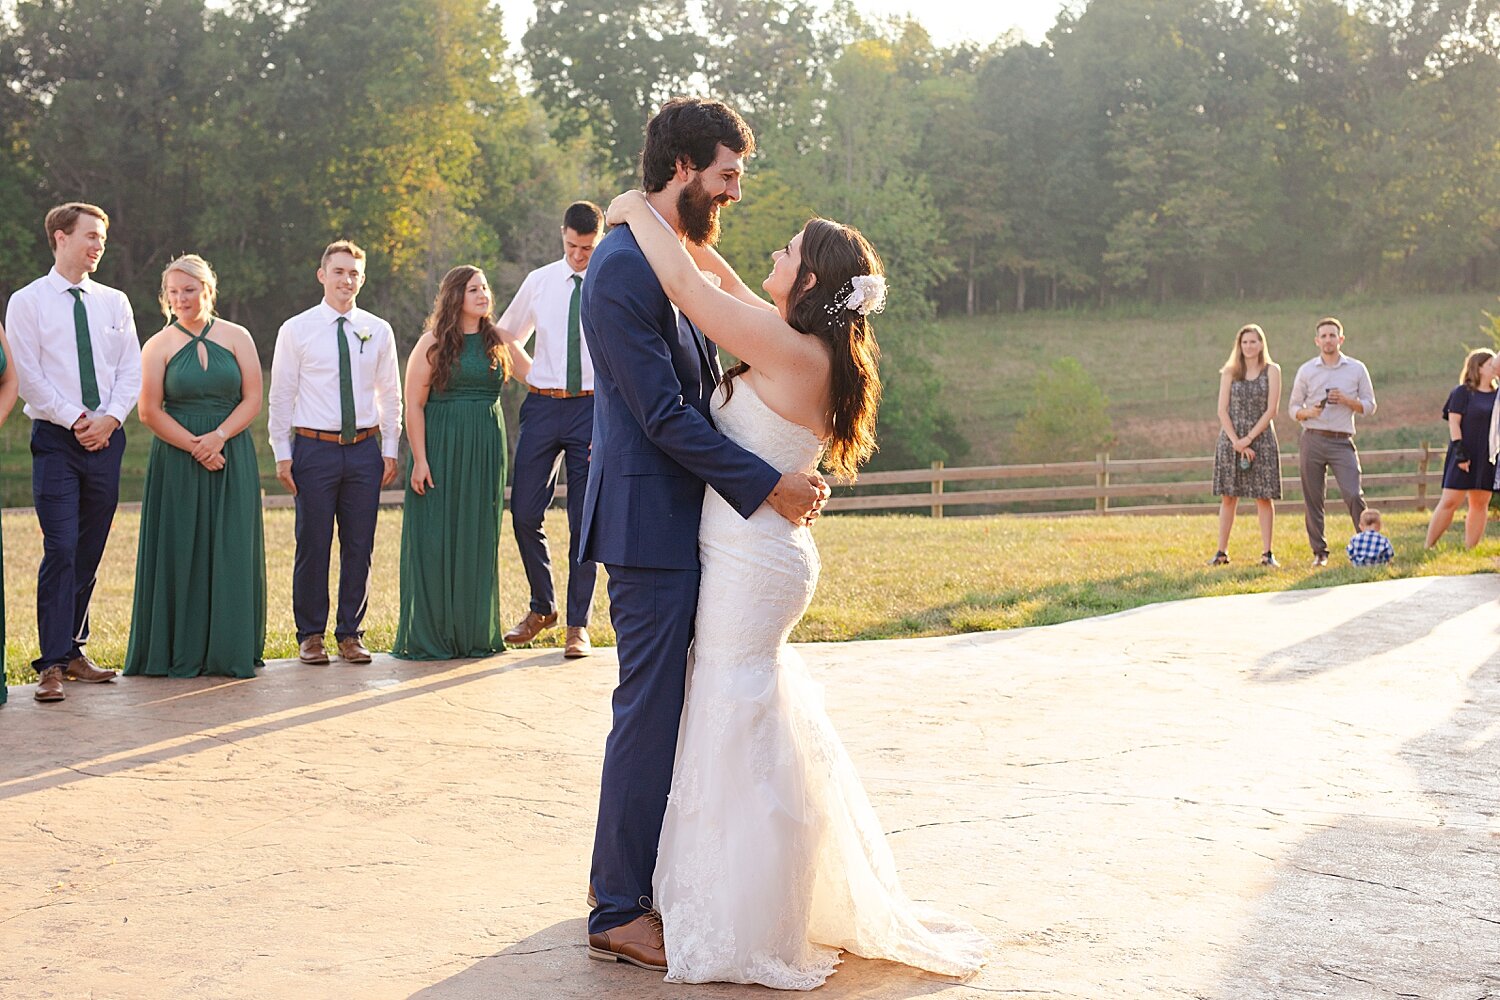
<point>1279,795</point>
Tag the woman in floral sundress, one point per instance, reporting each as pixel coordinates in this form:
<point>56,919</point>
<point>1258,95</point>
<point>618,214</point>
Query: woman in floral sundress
<point>1247,461</point>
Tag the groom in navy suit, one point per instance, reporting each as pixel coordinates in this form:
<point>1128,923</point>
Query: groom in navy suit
<point>655,447</point>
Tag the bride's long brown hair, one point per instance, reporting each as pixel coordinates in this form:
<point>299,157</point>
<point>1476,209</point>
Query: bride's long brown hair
<point>836,253</point>
<point>445,323</point>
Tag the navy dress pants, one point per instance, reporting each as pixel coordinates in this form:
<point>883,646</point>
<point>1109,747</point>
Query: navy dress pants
<point>652,611</point>
<point>553,431</point>
<point>75,492</point>
<point>335,483</point>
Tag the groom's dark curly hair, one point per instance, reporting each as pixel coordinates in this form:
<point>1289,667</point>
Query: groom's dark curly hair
<point>690,128</point>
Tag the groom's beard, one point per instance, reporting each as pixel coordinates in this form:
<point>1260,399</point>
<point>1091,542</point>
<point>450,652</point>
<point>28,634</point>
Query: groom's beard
<point>698,211</point>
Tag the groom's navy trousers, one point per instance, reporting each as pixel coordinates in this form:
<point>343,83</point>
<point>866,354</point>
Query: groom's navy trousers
<point>654,448</point>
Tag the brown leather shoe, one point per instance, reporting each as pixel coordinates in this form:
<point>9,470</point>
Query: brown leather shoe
<point>81,668</point>
<point>593,900</point>
<point>311,650</point>
<point>638,942</point>
<point>351,650</point>
<point>51,686</point>
<point>578,643</point>
<point>529,628</point>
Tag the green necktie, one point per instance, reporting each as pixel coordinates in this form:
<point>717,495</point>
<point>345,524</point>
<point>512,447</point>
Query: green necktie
<point>346,388</point>
<point>575,338</point>
<point>86,377</point>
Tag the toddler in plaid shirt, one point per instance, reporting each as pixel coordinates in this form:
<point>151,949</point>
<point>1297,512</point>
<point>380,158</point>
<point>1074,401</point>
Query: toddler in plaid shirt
<point>1370,547</point>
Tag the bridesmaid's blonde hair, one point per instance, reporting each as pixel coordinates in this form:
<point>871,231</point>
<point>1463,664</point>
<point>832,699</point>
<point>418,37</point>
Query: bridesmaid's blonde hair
<point>1235,366</point>
<point>193,266</point>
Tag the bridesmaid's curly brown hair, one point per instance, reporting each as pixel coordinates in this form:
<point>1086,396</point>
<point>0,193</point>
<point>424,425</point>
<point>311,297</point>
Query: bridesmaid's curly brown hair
<point>444,323</point>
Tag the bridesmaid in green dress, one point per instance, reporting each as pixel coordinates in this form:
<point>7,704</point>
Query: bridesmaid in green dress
<point>8,390</point>
<point>450,524</point>
<point>200,575</point>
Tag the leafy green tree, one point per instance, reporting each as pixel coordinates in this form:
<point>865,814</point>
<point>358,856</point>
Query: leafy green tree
<point>109,91</point>
<point>760,55</point>
<point>604,66</point>
<point>863,169</point>
<point>770,213</point>
<point>964,172</point>
<point>1068,419</point>
<point>1052,198</point>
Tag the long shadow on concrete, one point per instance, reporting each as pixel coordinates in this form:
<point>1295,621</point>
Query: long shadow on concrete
<point>552,964</point>
<point>1375,908</point>
<point>172,718</point>
<point>1379,630</point>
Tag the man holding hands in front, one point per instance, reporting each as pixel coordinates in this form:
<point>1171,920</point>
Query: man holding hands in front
<point>78,362</point>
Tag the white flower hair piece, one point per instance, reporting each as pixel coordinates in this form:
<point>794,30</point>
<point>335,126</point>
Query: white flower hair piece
<point>866,295</point>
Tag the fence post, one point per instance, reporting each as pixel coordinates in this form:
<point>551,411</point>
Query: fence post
<point>1422,476</point>
<point>1101,480</point>
<point>937,489</point>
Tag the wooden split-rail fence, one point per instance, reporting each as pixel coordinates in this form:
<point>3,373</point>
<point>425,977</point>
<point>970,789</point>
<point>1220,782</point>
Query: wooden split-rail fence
<point>1399,479</point>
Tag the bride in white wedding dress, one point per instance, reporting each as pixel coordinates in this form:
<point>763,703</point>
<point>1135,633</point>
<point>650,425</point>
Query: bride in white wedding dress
<point>771,860</point>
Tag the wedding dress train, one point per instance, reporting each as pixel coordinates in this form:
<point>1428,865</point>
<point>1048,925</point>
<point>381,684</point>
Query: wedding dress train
<point>771,859</point>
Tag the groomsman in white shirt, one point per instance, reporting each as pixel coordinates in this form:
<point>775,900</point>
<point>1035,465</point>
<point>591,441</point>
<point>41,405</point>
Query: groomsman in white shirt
<point>334,385</point>
<point>78,362</point>
<point>557,423</point>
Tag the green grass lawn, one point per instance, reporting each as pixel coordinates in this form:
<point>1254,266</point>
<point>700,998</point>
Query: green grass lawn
<point>883,577</point>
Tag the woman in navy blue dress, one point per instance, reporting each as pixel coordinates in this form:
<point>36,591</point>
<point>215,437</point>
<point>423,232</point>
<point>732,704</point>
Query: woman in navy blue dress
<point>1468,471</point>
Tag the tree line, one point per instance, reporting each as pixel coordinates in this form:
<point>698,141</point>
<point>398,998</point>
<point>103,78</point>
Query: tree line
<point>1144,150</point>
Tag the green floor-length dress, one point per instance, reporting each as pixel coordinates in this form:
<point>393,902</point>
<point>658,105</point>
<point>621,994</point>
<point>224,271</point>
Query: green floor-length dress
<point>3,690</point>
<point>450,537</point>
<point>200,573</point>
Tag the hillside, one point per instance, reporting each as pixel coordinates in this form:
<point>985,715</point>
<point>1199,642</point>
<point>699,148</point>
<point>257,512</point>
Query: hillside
<point>1158,366</point>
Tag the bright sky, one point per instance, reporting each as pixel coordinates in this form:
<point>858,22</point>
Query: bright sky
<point>948,21</point>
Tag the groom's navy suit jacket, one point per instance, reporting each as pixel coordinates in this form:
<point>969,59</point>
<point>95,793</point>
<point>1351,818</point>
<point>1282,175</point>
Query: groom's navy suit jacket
<point>654,440</point>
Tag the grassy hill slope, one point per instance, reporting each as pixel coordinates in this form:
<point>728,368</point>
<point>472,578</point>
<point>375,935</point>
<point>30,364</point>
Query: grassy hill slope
<point>1159,366</point>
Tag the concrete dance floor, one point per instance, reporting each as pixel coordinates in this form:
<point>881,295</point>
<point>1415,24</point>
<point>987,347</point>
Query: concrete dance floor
<point>1278,795</point>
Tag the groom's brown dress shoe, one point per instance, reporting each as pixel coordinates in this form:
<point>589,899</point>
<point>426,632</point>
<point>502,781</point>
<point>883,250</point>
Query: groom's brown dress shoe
<point>638,942</point>
<point>529,628</point>
<point>81,668</point>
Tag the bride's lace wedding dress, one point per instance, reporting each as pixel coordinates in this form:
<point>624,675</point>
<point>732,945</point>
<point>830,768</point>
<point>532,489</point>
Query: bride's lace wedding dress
<point>771,859</point>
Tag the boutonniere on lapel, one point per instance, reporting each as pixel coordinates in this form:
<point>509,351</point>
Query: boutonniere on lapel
<point>364,336</point>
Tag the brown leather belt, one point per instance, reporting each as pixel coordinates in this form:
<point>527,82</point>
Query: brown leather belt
<point>1341,435</point>
<point>333,436</point>
<point>559,393</point>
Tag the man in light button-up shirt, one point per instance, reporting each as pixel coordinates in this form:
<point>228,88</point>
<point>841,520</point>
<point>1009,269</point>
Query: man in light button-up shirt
<point>557,421</point>
<point>56,323</point>
<point>1326,394</point>
<point>330,460</point>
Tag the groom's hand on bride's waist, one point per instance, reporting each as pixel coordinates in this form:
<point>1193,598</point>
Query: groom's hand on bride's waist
<point>799,497</point>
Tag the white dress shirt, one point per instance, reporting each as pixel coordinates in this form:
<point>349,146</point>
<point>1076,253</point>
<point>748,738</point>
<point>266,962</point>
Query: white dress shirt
<point>305,377</point>
<point>541,304</point>
<point>39,322</point>
<point>1312,383</point>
